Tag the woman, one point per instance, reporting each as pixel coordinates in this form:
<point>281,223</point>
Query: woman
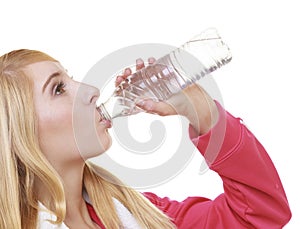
<point>46,181</point>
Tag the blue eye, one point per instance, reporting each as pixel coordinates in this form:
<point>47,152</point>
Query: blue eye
<point>59,88</point>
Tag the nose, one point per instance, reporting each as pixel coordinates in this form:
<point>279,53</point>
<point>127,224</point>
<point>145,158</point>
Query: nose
<point>89,94</point>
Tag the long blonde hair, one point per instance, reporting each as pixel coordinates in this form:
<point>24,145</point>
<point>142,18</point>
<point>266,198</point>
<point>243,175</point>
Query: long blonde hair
<point>22,163</point>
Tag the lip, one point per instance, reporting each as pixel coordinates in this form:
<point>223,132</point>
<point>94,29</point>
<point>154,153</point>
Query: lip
<point>106,123</point>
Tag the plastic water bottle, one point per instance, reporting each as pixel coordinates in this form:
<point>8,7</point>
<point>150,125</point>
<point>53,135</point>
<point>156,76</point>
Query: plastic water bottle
<point>168,75</point>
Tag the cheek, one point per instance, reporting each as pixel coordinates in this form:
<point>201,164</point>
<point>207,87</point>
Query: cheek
<point>67,134</point>
<point>54,121</point>
<point>55,130</point>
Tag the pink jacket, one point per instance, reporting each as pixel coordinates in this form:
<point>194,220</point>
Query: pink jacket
<point>253,194</point>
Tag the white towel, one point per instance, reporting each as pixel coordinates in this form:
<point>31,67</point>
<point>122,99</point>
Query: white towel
<point>127,219</point>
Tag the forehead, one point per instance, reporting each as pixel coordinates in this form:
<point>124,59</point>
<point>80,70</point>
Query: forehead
<point>40,71</point>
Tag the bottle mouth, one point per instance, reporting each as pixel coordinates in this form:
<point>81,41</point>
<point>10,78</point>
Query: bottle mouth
<point>103,112</point>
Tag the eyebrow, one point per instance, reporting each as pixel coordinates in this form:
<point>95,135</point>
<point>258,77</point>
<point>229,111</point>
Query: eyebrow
<point>53,75</point>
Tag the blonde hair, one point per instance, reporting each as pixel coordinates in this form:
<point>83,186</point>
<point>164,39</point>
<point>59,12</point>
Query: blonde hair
<point>22,163</point>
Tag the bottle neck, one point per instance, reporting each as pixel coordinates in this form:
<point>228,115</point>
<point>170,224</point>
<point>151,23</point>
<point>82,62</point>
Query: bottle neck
<point>103,112</point>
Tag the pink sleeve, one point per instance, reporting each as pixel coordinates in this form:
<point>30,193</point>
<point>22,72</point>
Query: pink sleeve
<point>253,194</point>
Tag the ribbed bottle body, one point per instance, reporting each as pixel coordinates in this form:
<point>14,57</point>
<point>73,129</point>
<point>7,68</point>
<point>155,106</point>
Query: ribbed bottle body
<point>168,75</point>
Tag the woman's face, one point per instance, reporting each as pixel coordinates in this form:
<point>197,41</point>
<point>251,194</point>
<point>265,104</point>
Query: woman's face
<point>69,127</point>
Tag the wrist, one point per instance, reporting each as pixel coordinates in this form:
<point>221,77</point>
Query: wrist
<point>207,120</point>
<point>202,112</point>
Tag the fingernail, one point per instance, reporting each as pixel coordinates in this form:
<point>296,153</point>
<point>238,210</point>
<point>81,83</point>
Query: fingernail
<point>139,61</point>
<point>119,79</point>
<point>127,71</point>
<point>151,60</point>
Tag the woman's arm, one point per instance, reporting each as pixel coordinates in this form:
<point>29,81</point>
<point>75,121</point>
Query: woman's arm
<point>253,194</point>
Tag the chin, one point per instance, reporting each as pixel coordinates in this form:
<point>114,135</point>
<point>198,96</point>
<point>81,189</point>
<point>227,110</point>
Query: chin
<point>103,147</point>
<point>95,148</point>
<point>105,141</point>
<point>107,144</point>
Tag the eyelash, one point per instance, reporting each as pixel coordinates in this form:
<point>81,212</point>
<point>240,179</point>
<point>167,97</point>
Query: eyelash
<point>59,88</point>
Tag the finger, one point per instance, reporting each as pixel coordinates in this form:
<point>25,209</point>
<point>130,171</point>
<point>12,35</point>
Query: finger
<point>127,72</point>
<point>139,64</point>
<point>151,60</point>
<point>160,108</point>
<point>120,78</point>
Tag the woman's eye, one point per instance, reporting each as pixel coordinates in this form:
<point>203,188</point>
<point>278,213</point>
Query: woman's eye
<point>59,88</point>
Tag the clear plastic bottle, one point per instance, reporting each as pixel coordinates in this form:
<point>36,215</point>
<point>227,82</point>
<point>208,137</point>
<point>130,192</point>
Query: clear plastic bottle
<point>168,75</point>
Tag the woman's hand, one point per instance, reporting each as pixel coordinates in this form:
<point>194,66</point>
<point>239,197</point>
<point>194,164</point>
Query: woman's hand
<point>192,102</point>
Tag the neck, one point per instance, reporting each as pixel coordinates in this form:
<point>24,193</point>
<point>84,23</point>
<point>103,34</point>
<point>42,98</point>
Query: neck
<point>77,215</point>
<point>72,178</point>
<point>73,185</point>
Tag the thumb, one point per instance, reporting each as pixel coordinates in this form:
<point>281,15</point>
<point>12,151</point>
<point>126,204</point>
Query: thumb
<point>160,108</point>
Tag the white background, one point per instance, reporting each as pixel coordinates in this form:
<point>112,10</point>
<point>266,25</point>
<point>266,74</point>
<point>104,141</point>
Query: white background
<point>260,84</point>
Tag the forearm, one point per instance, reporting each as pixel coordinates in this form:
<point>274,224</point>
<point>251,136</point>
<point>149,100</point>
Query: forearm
<point>253,189</point>
<point>253,195</point>
<point>192,102</point>
<point>200,109</point>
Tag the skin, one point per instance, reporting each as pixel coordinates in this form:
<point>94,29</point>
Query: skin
<point>54,105</point>
<point>70,130</point>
